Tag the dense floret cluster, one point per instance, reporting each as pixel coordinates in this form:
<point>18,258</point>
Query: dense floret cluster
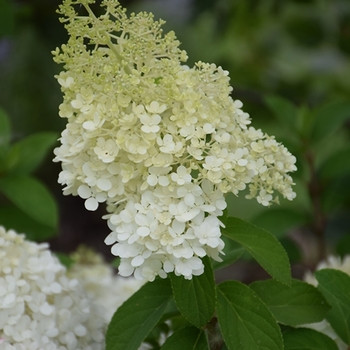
<point>100,283</point>
<point>160,143</point>
<point>40,307</point>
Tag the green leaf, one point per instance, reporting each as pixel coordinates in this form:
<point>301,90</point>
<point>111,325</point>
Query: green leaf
<point>230,257</point>
<point>307,339</point>
<point>32,151</point>
<point>299,303</point>
<point>196,298</point>
<point>337,165</point>
<point>305,121</point>
<point>115,262</point>
<point>178,321</point>
<point>189,338</point>
<point>335,286</point>
<point>284,110</point>
<point>329,118</point>
<point>292,249</point>
<point>278,221</point>
<point>245,321</point>
<point>32,197</point>
<point>12,217</point>
<point>10,159</point>
<point>224,216</point>
<point>5,129</point>
<point>262,245</point>
<point>160,332</point>
<point>136,318</point>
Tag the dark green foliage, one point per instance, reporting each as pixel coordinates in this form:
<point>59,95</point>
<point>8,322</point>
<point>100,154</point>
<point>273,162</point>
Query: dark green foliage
<point>136,318</point>
<point>335,286</point>
<point>245,321</point>
<point>196,298</point>
<point>307,339</point>
<point>27,205</point>
<point>263,247</point>
<point>297,304</point>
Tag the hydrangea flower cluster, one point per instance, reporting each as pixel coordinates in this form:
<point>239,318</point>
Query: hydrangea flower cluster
<point>100,282</point>
<point>102,285</point>
<point>40,307</point>
<point>332,262</point>
<point>160,143</point>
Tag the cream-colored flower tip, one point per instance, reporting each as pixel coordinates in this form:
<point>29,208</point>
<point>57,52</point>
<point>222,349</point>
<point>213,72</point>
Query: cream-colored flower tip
<point>160,143</point>
<point>332,262</point>
<point>100,282</point>
<point>40,307</point>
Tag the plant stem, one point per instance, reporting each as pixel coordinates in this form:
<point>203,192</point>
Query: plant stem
<point>319,218</point>
<point>214,335</point>
<point>111,46</point>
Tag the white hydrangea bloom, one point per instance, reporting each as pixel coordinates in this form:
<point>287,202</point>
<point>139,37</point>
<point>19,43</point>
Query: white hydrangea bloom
<point>99,281</point>
<point>332,262</point>
<point>103,286</point>
<point>40,307</point>
<point>147,134</point>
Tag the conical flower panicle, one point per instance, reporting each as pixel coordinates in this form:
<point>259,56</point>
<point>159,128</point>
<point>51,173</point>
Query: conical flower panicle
<point>157,141</point>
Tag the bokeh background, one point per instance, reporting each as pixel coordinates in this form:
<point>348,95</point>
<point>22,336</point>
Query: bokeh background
<point>298,50</point>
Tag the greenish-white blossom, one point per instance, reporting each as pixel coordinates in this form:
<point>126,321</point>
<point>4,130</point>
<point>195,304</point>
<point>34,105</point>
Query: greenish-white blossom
<point>157,141</point>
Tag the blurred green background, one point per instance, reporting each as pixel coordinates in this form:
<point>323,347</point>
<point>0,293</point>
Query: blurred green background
<point>289,63</point>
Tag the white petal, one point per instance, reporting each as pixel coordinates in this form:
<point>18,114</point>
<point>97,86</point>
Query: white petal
<point>80,330</point>
<point>143,231</point>
<point>89,125</point>
<point>9,299</point>
<point>125,269</point>
<point>242,162</point>
<point>91,204</point>
<point>178,227</point>
<point>104,184</point>
<point>101,197</point>
<point>163,180</point>
<point>168,266</point>
<point>84,191</point>
<point>111,238</point>
<point>56,288</point>
<point>137,261</point>
<point>152,180</point>
<point>46,309</point>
